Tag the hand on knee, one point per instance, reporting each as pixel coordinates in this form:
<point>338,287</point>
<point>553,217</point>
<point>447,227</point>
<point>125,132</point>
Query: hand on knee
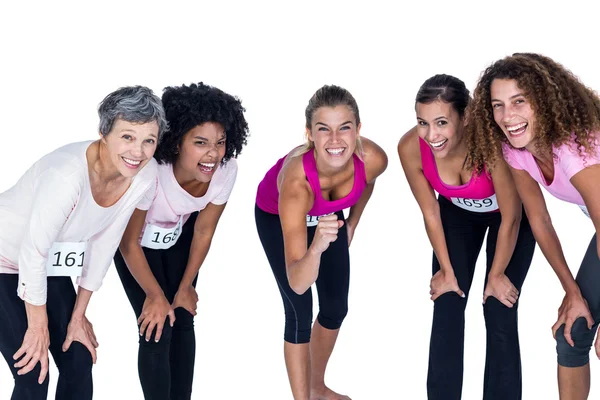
<point>575,355</point>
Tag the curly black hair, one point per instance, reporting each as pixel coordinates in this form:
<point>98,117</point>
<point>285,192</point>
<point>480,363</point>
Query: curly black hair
<point>189,106</point>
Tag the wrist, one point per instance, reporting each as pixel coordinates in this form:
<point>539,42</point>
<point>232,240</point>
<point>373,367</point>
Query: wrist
<point>495,274</point>
<point>572,289</point>
<point>36,315</point>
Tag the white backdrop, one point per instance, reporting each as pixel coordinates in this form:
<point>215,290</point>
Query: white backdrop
<point>59,60</point>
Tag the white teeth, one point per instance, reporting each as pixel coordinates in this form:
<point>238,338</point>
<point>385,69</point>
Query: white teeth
<point>516,127</point>
<point>438,144</point>
<point>132,162</point>
<point>335,151</point>
<point>208,165</point>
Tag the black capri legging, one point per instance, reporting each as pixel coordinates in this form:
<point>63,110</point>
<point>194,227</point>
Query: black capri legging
<point>588,279</point>
<point>332,284</point>
<point>464,232</point>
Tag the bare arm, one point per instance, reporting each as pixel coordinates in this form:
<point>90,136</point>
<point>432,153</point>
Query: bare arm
<point>375,164</point>
<point>582,181</point>
<point>156,306</point>
<point>543,230</point>
<point>573,305</point>
<point>510,206</point>
<point>134,255</point>
<point>410,158</point>
<point>204,230</point>
<point>295,200</point>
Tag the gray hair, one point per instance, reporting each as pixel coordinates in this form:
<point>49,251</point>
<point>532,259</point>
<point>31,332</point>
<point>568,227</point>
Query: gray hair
<point>132,104</point>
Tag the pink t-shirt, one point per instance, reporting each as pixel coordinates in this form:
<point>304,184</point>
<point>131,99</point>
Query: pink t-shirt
<point>53,203</point>
<point>477,195</point>
<point>172,201</point>
<point>567,162</point>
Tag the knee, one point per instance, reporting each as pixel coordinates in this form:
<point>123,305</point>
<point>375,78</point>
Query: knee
<point>76,363</point>
<point>162,344</point>
<point>498,317</point>
<point>184,321</point>
<point>449,305</point>
<point>28,383</point>
<point>583,338</point>
<point>332,318</point>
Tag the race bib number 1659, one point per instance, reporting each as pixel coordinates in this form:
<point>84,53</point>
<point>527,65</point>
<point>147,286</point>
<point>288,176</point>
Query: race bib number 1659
<point>477,205</point>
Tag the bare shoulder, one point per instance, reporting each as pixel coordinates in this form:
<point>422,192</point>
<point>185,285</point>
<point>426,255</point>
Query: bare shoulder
<point>375,159</point>
<point>292,182</point>
<point>408,146</point>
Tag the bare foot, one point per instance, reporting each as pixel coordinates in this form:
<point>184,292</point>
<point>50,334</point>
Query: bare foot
<point>324,393</point>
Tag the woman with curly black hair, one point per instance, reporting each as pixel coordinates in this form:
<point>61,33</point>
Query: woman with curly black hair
<point>163,248</point>
<point>546,122</point>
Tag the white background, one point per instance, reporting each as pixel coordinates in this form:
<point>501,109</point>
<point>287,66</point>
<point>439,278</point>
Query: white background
<point>59,60</point>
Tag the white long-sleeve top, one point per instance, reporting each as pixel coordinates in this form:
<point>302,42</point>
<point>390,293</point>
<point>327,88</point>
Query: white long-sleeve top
<point>53,202</point>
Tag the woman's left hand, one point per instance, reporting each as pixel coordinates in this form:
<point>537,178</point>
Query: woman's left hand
<point>81,330</point>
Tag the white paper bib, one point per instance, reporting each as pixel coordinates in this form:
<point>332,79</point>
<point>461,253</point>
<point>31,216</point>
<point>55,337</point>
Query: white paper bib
<point>312,220</point>
<point>159,238</point>
<point>66,259</point>
<point>480,205</point>
<point>585,211</point>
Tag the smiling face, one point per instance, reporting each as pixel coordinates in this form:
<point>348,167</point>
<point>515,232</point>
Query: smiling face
<point>131,145</point>
<point>440,126</point>
<point>513,112</point>
<point>201,151</point>
<point>334,133</point>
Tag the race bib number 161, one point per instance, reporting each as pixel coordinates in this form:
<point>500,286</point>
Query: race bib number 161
<point>66,259</point>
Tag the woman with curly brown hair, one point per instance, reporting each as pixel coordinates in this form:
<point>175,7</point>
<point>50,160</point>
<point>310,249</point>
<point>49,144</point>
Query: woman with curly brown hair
<point>546,122</point>
<point>470,203</point>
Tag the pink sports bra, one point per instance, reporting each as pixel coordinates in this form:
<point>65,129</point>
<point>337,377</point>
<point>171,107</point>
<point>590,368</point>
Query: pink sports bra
<point>476,195</point>
<point>267,196</point>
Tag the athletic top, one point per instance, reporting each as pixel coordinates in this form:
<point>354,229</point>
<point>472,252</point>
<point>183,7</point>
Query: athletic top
<point>52,205</point>
<point>172,203</point>
<point>567,162</point>
<point>267,196</point>
<point>477,195</point>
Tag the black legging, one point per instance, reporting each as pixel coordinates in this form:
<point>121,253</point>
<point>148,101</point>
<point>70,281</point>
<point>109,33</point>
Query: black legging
<point>332,284</point>
<point>464,232</point>
<point>74,366</point>
<point>166,368</point>
<point>588,279</point>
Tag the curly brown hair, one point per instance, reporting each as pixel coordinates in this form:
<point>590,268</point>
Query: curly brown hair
<point>563,106</point>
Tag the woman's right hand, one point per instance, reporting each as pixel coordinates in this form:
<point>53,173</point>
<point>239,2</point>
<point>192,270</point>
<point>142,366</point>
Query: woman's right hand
<point>326,232</point>
<point>154,314</point>
<point>444,282</point>
<point>34,348</point>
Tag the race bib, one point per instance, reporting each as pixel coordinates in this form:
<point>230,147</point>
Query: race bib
<point>66,259</point>
<point>585,211</point>
<point>159,238</point>
<point>481,205</point>
<point>312,220</point>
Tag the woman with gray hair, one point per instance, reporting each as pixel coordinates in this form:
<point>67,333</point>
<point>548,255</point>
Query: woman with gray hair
<point>66,215</point>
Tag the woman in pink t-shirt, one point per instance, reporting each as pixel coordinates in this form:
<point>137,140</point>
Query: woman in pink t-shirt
<point>300,222</point>
<point>546,122</point>
<point>163,248</point>
<point>472,204</point>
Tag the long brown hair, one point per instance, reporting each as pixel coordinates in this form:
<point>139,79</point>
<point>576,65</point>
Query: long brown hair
<point>563,108</point>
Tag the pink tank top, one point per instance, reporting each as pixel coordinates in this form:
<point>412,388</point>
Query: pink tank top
<point>267,196</point>
<point>477,195</point>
